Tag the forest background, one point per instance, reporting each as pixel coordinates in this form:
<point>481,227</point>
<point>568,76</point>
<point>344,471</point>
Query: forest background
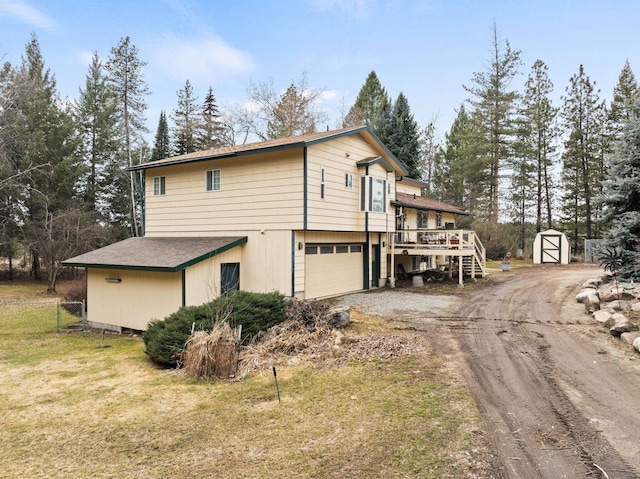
<point>515,160</point>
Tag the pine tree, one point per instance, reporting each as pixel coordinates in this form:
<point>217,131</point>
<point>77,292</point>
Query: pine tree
<point>621,195</point>
<point>210,134</point>
<point>372,101</point>
<point>187,121</point>
<point>162,143</point>
<point>46,144</point>
<point>625,94</point>
<point>291,115</point>
<point>494,102</point>
<point>404,138</point>
<point>127,80</point>
<point>459,176</point>
<point>538,128</point>
<point>96,111</point>
<point>583,116</point>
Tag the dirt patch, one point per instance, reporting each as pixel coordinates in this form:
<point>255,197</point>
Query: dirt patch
<point>557,394</point>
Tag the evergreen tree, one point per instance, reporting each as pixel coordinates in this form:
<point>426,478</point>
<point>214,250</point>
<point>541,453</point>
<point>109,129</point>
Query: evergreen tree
<point>493,102</point>
<point>46,144</point>
<point>625,94</point>
<point>537,126</point>
<point>210,134</point>
<point>96,111</point>
<point>372,101</point>
<point>127,80</point>
<point>583,116</point>
<point>458,176</point>
<point>404,137</point>
<point>162,143</point>
<point>187,121</point>
<point>621,197</point>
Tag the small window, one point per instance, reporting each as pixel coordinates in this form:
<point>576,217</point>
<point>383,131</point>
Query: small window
<point>342,249</point>
<point>311,250</point>
<point>356,248</point>
<point>326,249</point>
<point>159,185</point>
<point>213,180</point>
<point>348,180</point>
<point>322,184</point>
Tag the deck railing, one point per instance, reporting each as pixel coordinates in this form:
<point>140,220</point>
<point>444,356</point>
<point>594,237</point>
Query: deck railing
<point>435,239</point>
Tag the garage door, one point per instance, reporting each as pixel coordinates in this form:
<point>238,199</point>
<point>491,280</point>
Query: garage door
<point>332,269</point>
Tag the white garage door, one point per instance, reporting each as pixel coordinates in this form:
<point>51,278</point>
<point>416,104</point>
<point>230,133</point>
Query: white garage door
<point>332,269</point>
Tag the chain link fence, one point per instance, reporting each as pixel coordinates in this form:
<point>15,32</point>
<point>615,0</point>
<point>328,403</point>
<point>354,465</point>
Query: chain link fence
<point>42,317</point>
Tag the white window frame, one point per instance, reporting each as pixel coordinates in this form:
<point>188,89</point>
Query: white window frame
<point>348,180</point>
<point>322,183</point>
<point>213,180</point>
<point>370,186</point>
<point>159,185</point>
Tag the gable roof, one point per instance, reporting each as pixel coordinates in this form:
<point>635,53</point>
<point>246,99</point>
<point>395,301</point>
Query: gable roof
<point>156,254</point>
<point>425,203</point>
<point>274,145</point>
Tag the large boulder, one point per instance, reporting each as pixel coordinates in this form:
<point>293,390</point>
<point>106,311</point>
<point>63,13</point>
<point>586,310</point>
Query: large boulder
<point>636,344</point>
<point>622,325</point>
<point>592,303</point>
<point>604,318</point>
<point>614,295</point>
<point>618,305</point>
<point>581,297</point>
<point>630,337</point>
<point>592,283</point>
<point>339,316</point>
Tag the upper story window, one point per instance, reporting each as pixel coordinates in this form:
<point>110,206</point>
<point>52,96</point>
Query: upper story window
<point>348,180</point>
<point>322,182</point>
<point>159,185</point>
<point>213,180</point>
<point>373,194</point>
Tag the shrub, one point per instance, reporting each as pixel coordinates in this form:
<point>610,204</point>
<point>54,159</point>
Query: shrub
<point>165,340</point>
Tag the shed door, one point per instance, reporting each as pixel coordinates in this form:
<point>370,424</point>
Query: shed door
<point>332,269</point>
<point>551,246</point>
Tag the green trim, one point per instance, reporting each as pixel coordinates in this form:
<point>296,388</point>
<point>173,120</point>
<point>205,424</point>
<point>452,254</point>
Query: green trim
<point>258,150</point>
<point>412,180</point>
<point>184,287</point>
<point>305,193</point>
<point>165,269</point>
<point>365,260</point>
<point>293,263</point>
<point>373,161</point>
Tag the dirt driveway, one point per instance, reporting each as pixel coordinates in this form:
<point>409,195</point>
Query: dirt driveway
<point>558,395</point>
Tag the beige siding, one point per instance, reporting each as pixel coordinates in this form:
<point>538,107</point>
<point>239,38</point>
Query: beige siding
<point>340,208</point>
<point>140,297</point>
<point>409,188</point>
<point>299,264</point>
<point>203,279</point>
<point>257,192</point>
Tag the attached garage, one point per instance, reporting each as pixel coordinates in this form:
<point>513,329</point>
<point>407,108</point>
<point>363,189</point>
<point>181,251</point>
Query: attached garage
<point>332,269</point>
<point>551,247</point>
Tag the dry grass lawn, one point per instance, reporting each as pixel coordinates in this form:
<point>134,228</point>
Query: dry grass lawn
<point>79,405</point>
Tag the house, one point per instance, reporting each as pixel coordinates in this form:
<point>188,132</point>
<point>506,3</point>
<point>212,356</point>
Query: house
<point>311,216</point>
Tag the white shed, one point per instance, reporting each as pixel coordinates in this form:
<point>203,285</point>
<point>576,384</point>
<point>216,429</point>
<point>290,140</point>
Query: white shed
<point>551,246</point>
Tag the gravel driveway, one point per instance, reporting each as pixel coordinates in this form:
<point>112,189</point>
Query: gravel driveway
<point>398,303</point>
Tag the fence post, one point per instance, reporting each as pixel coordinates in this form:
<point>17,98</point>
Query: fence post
<point>84,315</point>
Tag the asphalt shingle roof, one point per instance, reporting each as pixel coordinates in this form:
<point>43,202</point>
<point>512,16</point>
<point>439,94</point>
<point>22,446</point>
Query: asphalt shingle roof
<point>424,203</point>
<point>156,254</point>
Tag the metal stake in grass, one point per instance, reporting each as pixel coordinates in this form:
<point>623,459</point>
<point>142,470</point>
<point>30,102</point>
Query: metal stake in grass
<point>275,375</point>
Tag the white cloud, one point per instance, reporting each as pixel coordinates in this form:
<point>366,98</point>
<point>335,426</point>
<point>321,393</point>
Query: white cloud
<point>206,59</point>
<point>26,13</point>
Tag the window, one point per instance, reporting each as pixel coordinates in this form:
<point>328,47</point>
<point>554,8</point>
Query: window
<point>356,248</point>
<point>342,249</point>
<point>326,249</point>
<point>311,250</point>
<point>423,220</point>
<point>348,180</point>
<point>322,184</point>
<point>159,185</point>
<point>213,180</point>
<point>373,194</point>
<point>438,220</point>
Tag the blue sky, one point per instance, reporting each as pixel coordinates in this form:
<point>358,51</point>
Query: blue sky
<point>426,49</point>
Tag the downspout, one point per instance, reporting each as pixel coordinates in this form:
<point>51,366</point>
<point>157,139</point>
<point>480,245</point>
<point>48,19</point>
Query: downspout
<point>304,188</point>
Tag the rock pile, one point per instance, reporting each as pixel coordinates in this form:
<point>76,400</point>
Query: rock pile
<point>616,308</point>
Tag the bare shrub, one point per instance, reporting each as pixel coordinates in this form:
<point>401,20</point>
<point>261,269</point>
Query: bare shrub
<point>212,355</point>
